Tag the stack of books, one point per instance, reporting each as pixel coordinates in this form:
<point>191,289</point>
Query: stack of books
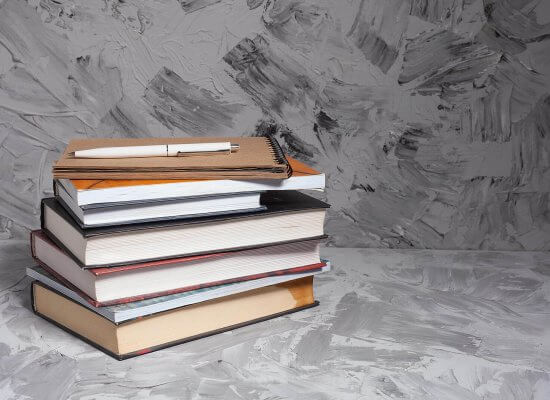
<point>135,265</point>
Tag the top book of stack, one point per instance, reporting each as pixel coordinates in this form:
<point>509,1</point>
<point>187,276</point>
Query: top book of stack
<point>96,192</point>
<point>110,200</point>
<point>257,158</point>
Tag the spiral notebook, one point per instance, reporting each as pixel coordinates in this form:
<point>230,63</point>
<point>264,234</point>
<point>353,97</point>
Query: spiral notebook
<point>257,158</point>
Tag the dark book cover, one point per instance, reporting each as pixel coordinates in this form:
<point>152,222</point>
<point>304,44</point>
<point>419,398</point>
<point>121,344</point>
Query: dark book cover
<point>276,202</point>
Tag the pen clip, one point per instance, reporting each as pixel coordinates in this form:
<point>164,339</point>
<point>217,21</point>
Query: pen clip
<point>233,147</point>
<point>201,153</point>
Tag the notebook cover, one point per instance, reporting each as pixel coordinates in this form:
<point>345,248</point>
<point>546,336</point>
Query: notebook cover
<point>257,157</point>
<point>275,201</point>
<point>298,169</point>
<point>165,345</point>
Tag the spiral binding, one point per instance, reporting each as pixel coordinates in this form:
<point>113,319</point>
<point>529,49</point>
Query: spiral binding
<point>278,154</point>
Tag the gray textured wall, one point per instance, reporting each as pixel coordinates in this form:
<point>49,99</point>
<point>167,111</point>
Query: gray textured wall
<point>431,118</point>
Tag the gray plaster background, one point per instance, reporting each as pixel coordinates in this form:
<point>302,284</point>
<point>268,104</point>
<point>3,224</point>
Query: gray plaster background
<point>431,118</point>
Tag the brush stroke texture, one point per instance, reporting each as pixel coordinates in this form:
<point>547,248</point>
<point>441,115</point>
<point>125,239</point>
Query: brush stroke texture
<point>178,104</point>
<point>428,117</point>
<point>193,5</point>
<point>377,30</point>
<point>436,11</point>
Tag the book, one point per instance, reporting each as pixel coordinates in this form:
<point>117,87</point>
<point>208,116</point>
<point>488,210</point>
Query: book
<point>126,311</point>
<point>160,210</point>
<point>138,281</point>
<point>88,193</point>
<point>168,328</point>
<point>289,216</point>
<point>257,158</point>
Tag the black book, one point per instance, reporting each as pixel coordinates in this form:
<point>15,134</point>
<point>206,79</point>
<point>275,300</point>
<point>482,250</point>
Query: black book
<point>289,216</point>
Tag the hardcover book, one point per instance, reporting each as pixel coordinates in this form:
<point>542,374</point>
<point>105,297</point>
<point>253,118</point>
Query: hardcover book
<point>146,334</point>
<point>117,313</point>
<point>121,284</point>
<point>132,213</point>
<point>289,216</point>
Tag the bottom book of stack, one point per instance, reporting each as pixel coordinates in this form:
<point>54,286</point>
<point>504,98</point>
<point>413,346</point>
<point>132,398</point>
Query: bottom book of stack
<point>130,329</point>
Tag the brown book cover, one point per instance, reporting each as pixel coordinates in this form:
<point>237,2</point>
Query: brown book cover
<point>147,334</point>
<point>257,158</point>
<point>298,169</point>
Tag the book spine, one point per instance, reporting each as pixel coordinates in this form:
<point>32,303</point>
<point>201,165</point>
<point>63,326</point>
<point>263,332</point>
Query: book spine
<point>68,284</point>
<point>79,336</point>
<point>63,248</point>
<point>31,238</point>
<point>42,213</point>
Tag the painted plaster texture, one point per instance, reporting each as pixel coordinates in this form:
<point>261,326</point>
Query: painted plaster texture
<point>407,324</point>
<point>431,118</point>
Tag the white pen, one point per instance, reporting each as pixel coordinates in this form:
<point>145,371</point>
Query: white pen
<point>159,150</point>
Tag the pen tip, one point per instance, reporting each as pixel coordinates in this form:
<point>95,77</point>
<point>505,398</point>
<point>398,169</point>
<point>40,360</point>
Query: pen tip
<point>235,147</point>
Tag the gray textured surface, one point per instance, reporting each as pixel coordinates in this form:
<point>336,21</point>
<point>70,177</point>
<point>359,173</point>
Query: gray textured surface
<point>431,118</point>
<point>410,324</point>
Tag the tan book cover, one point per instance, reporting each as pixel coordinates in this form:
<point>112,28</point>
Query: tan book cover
<point>257,158</point>
<point>298,169</point>
<point>146,334</point>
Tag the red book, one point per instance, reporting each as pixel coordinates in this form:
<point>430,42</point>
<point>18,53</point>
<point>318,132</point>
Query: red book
<point>119,284</point>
